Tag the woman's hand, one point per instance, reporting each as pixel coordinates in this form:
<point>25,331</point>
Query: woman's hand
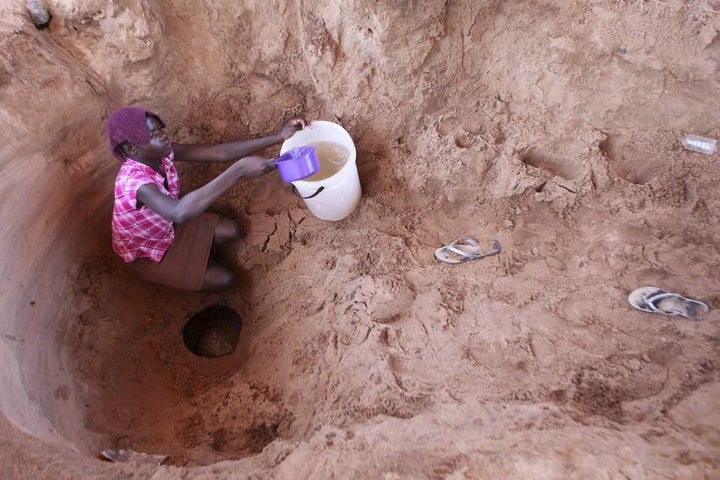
<point>294,125</point>
<point>254,166</point>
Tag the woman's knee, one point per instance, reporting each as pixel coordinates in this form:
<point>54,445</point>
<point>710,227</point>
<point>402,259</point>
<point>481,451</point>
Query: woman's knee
<point>217,279</point>
<point>227,230</point>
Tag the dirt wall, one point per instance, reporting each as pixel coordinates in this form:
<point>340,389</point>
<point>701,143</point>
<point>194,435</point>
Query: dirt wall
<point>552,127</point>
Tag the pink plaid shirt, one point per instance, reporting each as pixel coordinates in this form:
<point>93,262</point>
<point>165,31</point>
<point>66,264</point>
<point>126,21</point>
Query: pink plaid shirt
<point>140,232</point>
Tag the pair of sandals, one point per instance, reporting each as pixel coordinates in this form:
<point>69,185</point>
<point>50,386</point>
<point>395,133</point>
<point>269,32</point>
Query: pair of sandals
<point>646,299</point>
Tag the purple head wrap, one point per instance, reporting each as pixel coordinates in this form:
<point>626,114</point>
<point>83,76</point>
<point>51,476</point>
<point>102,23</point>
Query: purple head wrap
<point>128,124</point>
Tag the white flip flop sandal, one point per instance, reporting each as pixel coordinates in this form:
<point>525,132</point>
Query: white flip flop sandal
<point>463,250</point>
<point>657,300</point>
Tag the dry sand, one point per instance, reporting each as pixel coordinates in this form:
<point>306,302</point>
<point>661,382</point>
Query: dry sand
<point>552,127</point>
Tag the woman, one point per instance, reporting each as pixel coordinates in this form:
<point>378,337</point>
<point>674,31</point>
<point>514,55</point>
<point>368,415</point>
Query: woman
<point>162,237</point>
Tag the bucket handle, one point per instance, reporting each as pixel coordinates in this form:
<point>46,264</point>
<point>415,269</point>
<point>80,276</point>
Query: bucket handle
<point>297,194</point>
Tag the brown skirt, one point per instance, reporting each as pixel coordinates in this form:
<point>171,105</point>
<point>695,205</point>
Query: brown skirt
<point>186,261</point>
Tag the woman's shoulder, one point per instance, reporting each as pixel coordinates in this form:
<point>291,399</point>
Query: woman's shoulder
<point>132,170</point>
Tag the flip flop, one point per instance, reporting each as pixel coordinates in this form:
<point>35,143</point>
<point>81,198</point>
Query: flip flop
<point>464,249</point>
<point>657,300</point>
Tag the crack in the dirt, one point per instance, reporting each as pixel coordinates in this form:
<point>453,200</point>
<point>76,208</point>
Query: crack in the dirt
<point>566,188</point>
<point>267,239</point>
<point>367,334</point>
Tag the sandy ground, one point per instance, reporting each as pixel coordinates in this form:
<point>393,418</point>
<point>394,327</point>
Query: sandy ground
<point>552,127</point>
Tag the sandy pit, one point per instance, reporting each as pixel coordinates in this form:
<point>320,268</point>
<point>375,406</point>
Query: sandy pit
<point>552,127</point>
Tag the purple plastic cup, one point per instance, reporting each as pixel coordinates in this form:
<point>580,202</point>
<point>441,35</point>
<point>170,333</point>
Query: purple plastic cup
<point>297,164</point>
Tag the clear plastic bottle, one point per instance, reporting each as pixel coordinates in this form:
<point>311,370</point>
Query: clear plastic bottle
<point>696,143</point>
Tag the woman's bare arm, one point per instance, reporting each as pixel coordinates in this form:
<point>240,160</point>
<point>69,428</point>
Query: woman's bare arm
<point>197,201</point>
<point>224,152</point>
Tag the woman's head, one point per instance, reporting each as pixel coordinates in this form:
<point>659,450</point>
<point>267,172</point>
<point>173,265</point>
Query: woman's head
<point>136,133</point>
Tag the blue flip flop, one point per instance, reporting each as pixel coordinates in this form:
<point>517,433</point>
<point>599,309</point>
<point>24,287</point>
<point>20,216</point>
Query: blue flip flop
<point>657,300</point>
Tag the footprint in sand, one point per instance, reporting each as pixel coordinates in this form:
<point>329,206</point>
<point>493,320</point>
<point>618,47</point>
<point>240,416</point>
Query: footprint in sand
<point>555,165</point>
<point>628,161</point>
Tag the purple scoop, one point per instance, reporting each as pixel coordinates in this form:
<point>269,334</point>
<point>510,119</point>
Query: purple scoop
<point>297,164</point>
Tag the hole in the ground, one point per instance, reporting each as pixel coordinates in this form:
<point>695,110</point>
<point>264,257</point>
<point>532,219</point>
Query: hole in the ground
<point>213,331</point>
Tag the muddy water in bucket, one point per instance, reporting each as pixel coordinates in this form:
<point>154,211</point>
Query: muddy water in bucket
<point>332,157</point>
<point>334,191</point>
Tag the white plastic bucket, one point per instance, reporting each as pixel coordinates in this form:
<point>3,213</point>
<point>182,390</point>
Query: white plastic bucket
<point>337,196</point>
